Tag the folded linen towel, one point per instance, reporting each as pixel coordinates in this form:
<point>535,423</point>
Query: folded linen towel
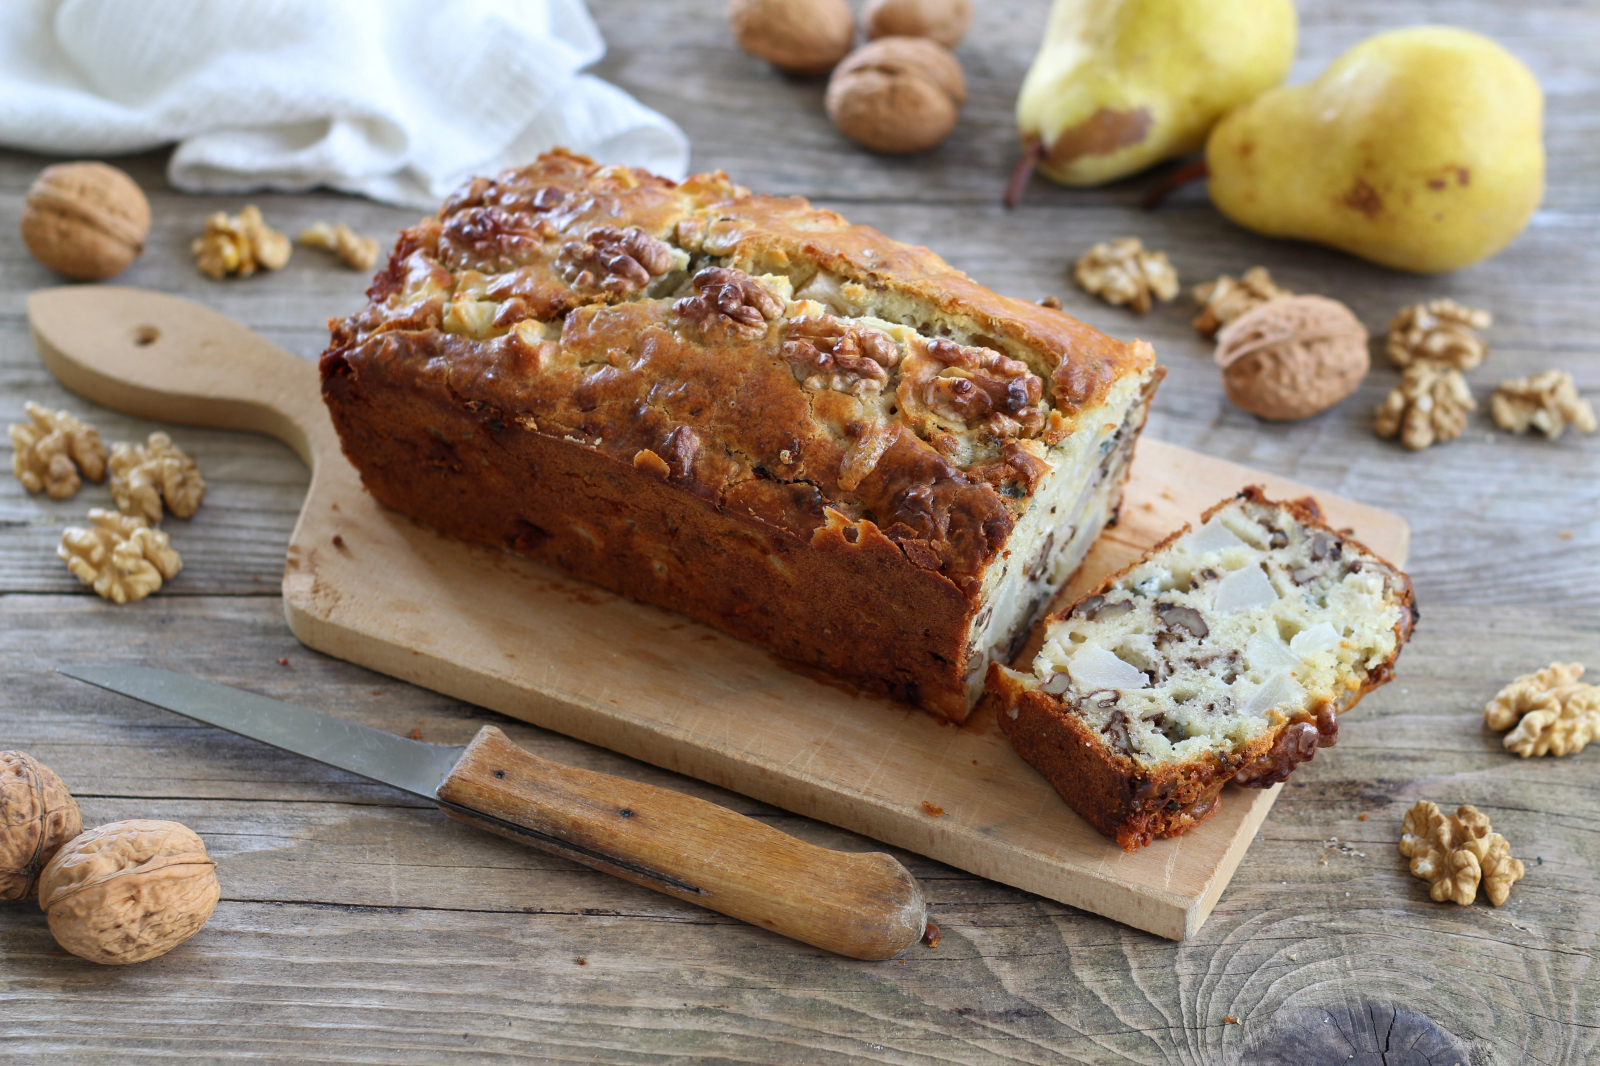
<point>399,100</point>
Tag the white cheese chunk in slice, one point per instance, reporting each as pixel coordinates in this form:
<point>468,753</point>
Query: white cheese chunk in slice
<point>1094,668</point>
<point>1269,653</point>
<point>1315,640</point>
<point>1211,537</point>
<point>1280,691</point>
<point>1243,590</point>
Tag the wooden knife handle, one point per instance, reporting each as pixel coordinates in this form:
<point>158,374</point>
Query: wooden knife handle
<point>861,904</point>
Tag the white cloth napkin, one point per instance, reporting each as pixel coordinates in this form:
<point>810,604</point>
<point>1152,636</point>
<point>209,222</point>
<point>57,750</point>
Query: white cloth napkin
<point>399,100</point>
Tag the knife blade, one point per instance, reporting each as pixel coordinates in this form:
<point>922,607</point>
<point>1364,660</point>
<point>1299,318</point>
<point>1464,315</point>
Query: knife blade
<point>864,905</point>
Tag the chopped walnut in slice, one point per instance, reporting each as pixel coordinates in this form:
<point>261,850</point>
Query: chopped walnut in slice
<point>953,384</point>
<point>1548,402</point>
<point>50,452</point>
<point>732,298</point>
<point>827,353</point>
<point>1552,711</point>
<point>239,244</point>
<point>144,475</point>
<point>1124,273</point>
<point>1430,404</point>
<point>613,260</point>
<point>1454,853</point>
<point>119,556</point>
<point>1439,331</point>
<point>1227,298</point>
<point>354,250</point>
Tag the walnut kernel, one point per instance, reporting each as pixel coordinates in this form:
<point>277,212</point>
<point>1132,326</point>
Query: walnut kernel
<point>143,475</point>
<point>832,355</point>
<point>805,37</point>
<point>1225,299</point>
<point>129,891</point>
<point>37,816</point>
<point>119,556</point>
<point>1552,711</point>
<point>1430,404</point>
<point>87,221</point>
<point>897,95</point>
<point>731,298</point>
<point>614,260</point>
<point>1440,331</point>
<point>1454,853</point>
<point>354,250</point>
<point>1124,274</point>
<point>1548,402</point>
<point>945,384</point>
<point>239,244</point>
<point>945,21</point>
<point>50,452</point>
<point>1292,357</point>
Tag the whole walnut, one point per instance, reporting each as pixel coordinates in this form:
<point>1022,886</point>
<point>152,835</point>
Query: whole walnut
<point>129,891</point>
<point>805,37</point>
<point>897,95</point>
<point>37,816</point>
<point>1292,357</point>
<point>945,21</point>
<point>87,221</point>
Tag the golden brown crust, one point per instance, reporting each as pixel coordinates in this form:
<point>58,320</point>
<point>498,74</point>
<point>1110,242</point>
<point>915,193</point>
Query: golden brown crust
<point>1134,804</point>
<point>523,339</point>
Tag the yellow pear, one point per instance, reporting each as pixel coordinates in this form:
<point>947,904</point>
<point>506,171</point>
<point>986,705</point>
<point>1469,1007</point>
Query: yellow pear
<point>1120,84</point>
<point>1420,149</point>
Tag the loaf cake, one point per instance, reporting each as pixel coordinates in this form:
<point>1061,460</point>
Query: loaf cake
<point>1226,653</point>
<point>742,408</point>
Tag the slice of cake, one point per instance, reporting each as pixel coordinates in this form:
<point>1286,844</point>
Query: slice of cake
<point>1226,653</point>
<point>743,408</point>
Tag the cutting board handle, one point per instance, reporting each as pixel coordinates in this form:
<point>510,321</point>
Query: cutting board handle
<point>163,357</point>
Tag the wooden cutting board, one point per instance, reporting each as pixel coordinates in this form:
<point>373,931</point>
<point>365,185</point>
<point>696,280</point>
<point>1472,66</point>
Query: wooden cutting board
<point>371,586</point>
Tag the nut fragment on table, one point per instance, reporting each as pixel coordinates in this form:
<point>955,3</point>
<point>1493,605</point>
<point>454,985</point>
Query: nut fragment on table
<point>1458,852</point>
<point>945,21</point>
<point>354,250</point>
<point>129,891</point>
<point>119,556</point>
<point>50,452</point>
<point>897,95</point>
<point>1552,711</point>
<point>1292,357</point>
<point>37,816</point>
<point>239,245</point>
<point>145,475</point>
<point>804,37</point>
<point>86,221</point>
<point>1225,299</point>
<point>1429,405</point>
<point>1439,331</point>
<point>1124,273</point>
<point>1548,402</point>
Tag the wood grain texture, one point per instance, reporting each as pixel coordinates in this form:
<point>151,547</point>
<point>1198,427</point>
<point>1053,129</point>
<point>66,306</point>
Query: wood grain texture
<point>357,926</point>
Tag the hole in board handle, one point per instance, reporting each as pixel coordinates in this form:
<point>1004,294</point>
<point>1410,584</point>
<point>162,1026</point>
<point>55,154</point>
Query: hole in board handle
<point>144,336</point>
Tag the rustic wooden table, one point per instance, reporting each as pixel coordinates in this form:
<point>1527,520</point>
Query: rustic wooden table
<point>358,925</point>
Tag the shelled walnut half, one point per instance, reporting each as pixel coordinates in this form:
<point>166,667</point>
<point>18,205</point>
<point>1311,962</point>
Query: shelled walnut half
<point>1438,331</point>
<point>119,556</point>
<point>354,250</point>
<point>1430,404</point>
<point>239,245</point>
<point>1552,712</point>
<point>1225,299</point>
<point>52,450</point>
<point>145,475</point>
<point>1548,402</point>
<point>1124,273</point>
<point>1456,853</point>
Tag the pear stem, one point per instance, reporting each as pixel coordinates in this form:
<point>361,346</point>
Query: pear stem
<point>1168,185</point>
<point>1032,152</point>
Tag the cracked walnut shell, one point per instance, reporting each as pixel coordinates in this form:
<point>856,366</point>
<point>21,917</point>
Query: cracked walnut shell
<point>37,816</point>
<point>145,475</point>
<point>53,450</point>
<point>1124,274</point>
<point>1455,853</point>
<point>352,249</point>
<point>1227,298</point>
<point>1552,711</point>
<point>120,556</point>
<point>1439,331</point>
<point>1292,357</point>
<point>1430,404</point>
<point>239,244</point>
<point>86,221</point>
<point>1548,402</point>
<point>129,891</point>
<point>897,95</point>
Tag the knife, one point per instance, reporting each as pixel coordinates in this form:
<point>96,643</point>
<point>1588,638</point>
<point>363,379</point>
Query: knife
<point>864,905</point>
